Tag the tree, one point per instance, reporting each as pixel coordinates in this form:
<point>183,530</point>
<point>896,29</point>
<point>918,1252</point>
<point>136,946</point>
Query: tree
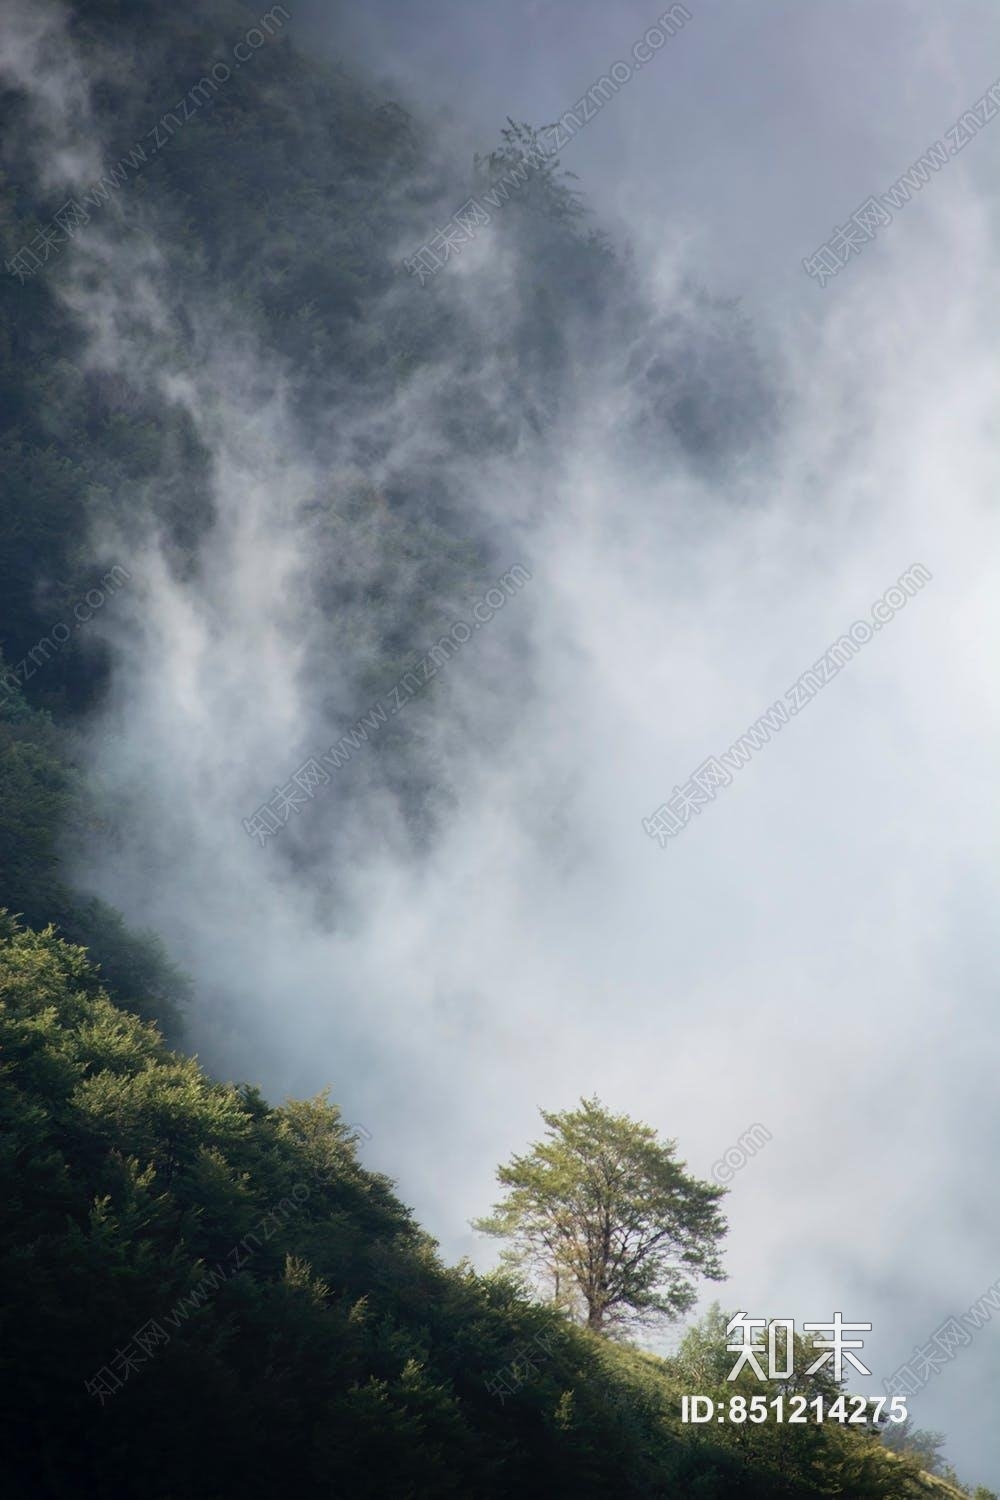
<point>531,169</point>
<point>605,1211</point>
<point>916,1443</point>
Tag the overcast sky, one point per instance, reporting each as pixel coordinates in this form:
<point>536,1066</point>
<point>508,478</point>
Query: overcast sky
<point>747,137</point>
<point>817,951</point>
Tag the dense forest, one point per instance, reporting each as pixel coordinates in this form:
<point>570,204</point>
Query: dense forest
<point>205,1293</point>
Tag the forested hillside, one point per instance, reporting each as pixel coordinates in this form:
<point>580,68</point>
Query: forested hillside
<point>205,1294</point>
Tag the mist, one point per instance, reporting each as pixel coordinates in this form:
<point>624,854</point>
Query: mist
<point>490,930</point>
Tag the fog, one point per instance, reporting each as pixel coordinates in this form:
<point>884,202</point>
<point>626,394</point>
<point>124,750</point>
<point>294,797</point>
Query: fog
<point>816,950</point>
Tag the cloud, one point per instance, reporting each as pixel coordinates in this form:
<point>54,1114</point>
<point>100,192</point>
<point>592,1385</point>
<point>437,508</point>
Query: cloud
<point>812,953</point>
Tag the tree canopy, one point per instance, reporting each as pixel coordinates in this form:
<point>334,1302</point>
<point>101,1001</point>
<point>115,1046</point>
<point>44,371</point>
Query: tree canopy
<point>606,1212</point>
<point>202,1294</point>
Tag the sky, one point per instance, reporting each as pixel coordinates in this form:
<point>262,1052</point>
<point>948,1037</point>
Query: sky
<point>745,139</point>
<point>815,952</point>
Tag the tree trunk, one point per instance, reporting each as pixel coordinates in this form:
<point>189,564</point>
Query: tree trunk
<point>595,1315</point>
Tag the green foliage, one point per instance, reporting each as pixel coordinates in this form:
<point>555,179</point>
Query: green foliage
<point>607,1215</point>
<point>43,805</point>
<point>305,1335</point>
<point>853,1461</point>
<point>917,1443</point>
<point>524,161</point>
<point>314,1342</point>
